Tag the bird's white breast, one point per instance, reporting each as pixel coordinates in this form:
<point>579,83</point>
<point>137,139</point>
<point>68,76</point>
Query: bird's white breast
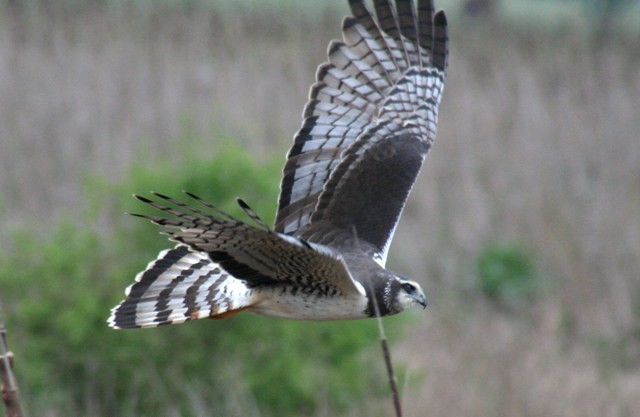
<point>283,302</point>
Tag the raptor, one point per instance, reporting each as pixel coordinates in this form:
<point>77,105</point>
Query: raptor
<point>367,128</point>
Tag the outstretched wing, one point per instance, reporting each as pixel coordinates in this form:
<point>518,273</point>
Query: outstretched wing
<point>257,256</point>
<point>369,123</point>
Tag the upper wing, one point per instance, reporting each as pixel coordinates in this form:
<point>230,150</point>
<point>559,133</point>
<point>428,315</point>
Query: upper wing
<point>383,82</point>
<point>258,256</point>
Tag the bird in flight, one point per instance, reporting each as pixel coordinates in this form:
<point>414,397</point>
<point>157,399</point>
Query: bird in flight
<point>368,125</point>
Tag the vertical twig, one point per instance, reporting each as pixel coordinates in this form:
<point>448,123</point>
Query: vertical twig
<point>393,381</point>
<point>9,385</point>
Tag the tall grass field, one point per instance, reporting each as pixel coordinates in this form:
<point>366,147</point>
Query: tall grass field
<point>523,228</point>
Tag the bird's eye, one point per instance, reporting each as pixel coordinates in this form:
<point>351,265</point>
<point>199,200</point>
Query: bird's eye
<point>410,289</point>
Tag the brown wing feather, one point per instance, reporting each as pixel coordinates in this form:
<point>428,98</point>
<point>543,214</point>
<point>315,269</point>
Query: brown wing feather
<point>257,256</point>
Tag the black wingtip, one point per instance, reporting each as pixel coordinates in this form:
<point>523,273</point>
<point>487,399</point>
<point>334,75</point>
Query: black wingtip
<point>192,195</point>
<point>162,196</point>
<point>357,3</point>
<point>334,46</point>
<point>322,70</point>
<point>242,203</point>
<point>348,22</point>
<point>440,18</point>
<point>360,13</point>
<point>136,215</point>
<point>441,42</point>
<point>252,214</point>
<point>143,199</point>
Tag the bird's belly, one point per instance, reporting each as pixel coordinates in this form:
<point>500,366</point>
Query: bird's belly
<point>311,307</point>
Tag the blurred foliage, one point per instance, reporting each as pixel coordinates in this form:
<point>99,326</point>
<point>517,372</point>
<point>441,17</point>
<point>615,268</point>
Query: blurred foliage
<point>617,353</point>
<point>506,274</point>
<point>57,292</point>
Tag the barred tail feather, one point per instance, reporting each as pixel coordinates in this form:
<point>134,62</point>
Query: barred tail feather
<point>179,285</point>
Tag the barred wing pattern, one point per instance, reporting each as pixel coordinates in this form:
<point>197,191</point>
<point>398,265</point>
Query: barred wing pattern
<point>369,123</point>
<point>223,266</point>
<point>383,82</point>
<point>256,255</point>
<point>179,285</point>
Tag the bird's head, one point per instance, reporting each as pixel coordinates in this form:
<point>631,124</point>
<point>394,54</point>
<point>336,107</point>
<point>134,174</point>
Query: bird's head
<point>401,294</point>
<point>408,294</point>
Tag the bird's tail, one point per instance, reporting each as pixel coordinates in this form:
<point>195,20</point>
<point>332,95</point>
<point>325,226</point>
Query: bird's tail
<point>179,285</point>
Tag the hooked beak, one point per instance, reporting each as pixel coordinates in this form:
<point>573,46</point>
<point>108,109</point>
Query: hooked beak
<point>421,299</point>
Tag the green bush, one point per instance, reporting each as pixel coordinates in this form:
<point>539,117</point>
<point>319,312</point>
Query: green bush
<point>506,274</point>
<point>57,291</point>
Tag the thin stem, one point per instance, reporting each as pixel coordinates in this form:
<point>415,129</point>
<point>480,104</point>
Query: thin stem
<point>9,385</point>
<point>393,381</point>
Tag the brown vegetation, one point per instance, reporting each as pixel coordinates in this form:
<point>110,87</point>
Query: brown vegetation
<point>537,144</point>
<point>7,378</point>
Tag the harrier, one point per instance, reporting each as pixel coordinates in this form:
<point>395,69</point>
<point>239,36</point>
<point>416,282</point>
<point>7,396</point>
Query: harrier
<point>367,127</point>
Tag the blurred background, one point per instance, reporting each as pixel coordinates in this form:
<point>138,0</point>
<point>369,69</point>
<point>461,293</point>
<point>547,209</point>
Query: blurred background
<point>524,226</point>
